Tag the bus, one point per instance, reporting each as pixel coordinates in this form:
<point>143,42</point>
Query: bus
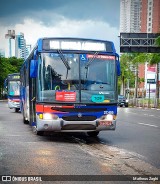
<point>70,85</point>
<point>12,85</point>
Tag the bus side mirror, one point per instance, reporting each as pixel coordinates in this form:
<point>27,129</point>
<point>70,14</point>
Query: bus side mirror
<point>33,68</point>
<point>118,65</point>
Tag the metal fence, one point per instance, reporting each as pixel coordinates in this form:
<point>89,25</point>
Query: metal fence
<point>145,102</point>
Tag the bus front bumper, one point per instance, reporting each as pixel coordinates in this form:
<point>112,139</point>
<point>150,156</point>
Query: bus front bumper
<point>61,125</point>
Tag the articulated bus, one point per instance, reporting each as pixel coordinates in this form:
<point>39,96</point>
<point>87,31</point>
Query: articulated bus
<point>12,84</point>
<point>70,85</point>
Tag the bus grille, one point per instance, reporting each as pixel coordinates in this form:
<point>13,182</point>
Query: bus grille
<point>78,127</point>
<point>76,118</point>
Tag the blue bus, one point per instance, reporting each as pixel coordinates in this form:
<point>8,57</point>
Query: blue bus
<point>12,85</point>
<point>70,85</point>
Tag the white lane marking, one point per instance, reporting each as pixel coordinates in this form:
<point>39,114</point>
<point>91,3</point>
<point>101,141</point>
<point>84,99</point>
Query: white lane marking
<point>148,125</point>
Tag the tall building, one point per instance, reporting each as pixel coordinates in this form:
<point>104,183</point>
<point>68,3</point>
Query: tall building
<point>20,46</point>
<point>130,16</point>
<point>141,16</point>
<point>28,50</point>
<point>150,16</point>
<point>15,45</point>
<point>150,23</point>
<point>2,54</point>
<point>10,43</point>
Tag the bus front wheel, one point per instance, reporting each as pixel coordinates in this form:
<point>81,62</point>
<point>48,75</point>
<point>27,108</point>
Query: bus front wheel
<point>16,109</point>
<point>40,133</point>
<point>25,121</point>
<point>93,134</point>
<point>36,132</point>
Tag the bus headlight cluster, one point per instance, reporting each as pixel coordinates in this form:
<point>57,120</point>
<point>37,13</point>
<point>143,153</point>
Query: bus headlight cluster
<point>106,120</point>
<point>108,117</point>
<point>48,116</point>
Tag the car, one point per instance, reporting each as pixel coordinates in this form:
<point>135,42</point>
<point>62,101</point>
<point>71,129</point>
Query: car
<point>122,101</point>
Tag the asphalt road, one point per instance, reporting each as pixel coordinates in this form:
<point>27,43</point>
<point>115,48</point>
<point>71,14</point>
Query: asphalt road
<point>133,149</point>
<point>138,131</point>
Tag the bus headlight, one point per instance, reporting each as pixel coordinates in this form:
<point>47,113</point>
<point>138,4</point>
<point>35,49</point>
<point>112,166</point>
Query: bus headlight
<point>106,120</point>
<point>48,116</point>
<point>108,117</point>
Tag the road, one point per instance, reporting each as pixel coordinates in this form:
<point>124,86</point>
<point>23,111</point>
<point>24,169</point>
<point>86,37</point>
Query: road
<point>138,131</point>
<point>133,149</point>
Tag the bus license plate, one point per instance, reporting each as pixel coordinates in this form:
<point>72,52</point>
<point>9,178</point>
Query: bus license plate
<point>106,123</point>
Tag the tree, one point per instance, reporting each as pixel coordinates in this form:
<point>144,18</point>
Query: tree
<point>127,75</point>
<point>7,66</point>
<point>151,58</point>
<point>158,41</point>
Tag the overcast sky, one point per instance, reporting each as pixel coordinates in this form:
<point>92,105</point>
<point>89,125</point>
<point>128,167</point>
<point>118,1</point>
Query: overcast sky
<point>97,19</point>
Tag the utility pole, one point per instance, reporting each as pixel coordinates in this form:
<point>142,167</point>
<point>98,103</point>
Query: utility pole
<point>136,81</point>
<point>157,84</point>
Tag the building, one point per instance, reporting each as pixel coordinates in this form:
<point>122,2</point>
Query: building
<point>150,16</point>
<point>28,50</point>
<point>141,16</point>
<point>130,16</point>
<point>150,23</point>
<point>15,45</point>
<point>20,46</point>
<point>10,44</point>
<point>2,54</point>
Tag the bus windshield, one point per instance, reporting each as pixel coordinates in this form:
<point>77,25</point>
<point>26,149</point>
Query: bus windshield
<point>14,88</point>
<point>76,78</point>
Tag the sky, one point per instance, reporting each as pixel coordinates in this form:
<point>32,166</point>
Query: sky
<point>97,19</point>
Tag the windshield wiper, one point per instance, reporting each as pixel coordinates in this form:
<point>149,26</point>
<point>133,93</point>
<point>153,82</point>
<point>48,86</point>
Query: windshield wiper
<point>90,61</point>
<point>64,59</point>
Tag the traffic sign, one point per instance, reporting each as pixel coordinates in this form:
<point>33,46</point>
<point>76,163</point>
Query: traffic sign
<point>151,81</point>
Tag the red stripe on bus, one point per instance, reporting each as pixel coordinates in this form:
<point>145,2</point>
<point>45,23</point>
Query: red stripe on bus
<point>48,108</point>
<point>39,108</point>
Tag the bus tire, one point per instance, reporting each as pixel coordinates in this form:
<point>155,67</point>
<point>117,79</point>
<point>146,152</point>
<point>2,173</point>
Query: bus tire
<point>93,134</point>
<point>25,121</point>
<point>16,109</point>
<point>40,133</point>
